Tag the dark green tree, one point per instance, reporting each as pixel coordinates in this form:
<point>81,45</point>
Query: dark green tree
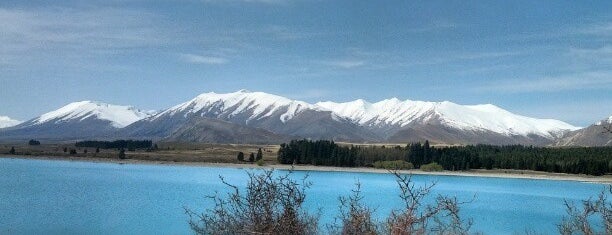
<point>98,150</point>
<point>12,151</point>
<point>241,156</point>
<point>251,157</point>
<point>34,142</point>
<point>65,149</point>
<point>122,153</point>
<point>259,155</point>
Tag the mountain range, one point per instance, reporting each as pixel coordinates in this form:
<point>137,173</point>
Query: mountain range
<point>257,117</point>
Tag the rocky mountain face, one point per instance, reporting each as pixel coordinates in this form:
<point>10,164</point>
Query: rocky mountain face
<point>598,134</point>
<point>257,117</point>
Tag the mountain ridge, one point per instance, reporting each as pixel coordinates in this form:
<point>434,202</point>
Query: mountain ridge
<point>257,113</point>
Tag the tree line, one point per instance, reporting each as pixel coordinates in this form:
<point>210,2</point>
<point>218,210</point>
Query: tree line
<point>574,160</point>
<point>117,144</point>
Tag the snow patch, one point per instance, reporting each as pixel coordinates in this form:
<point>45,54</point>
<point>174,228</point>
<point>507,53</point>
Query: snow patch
<point>259,104</point>
<point>119,116</point>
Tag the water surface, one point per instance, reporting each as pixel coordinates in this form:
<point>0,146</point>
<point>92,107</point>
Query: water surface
<point>68,197</point>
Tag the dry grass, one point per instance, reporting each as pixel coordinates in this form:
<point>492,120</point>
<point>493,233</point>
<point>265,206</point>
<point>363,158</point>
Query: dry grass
<point>171,152</point>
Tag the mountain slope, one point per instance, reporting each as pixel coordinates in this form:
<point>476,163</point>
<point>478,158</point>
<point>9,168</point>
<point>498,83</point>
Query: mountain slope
<point>448,122</point>
<point>8,122</point>
<point>255,110</point>
<point>208,130</point>
<point>76,120</point>
<point>593,135</point>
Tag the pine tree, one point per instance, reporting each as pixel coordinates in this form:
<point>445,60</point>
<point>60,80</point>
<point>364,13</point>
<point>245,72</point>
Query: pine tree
<point>122,153</point>
<point>259,155</point>
<point>241,156</point>
<point>252,157</point>
<point>12,151</point>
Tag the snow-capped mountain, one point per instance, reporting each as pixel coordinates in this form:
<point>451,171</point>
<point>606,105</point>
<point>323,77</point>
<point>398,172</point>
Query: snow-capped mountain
<point>598,134</point>
<point>77,120</point>
<point>255,110</point>
<point>118,116</point>
<point>258,105</point>
<point>8,122</point>
<point>392,114</point>
<point>246,116</point>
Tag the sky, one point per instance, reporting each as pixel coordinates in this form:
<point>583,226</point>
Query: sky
<point>544,59</point>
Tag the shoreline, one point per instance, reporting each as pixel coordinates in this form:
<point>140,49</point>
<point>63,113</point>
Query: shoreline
<point>499,173</point>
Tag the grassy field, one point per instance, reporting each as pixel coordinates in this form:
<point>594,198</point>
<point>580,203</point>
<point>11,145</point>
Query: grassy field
<point>171,152</point>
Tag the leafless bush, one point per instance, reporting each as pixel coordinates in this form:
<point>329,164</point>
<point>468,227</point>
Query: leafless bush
<point>580,220</point>
<point>270,205</point>
<point>441,217</point>
<point>355,218</point>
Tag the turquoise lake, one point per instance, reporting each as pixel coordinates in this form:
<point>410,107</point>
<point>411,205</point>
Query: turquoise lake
<point>68,197</point>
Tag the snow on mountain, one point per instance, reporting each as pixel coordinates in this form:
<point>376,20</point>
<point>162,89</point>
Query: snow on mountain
<point>259,104</point>
<point>605,121</point>
<point>8,122</point>
<point>119,116</point>
<point>394,112</point>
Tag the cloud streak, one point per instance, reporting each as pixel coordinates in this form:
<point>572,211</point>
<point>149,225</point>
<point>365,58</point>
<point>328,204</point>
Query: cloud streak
<point>580,81</point>
<point>199,59</point>
<point>59,34</point>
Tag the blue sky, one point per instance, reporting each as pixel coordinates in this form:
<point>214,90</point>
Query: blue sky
<point>546,59</point>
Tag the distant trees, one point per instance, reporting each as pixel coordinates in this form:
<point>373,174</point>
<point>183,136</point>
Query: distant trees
<point>241,156</point>
<point>73,151</point>
<point>122,153</point>
<point>65,149</point>
<point>575,160</point>
<point>98,150</point>
<point>251,157</point>
<point>33,142</point>
<point>117,144</point>
<point>12,151</point>
<point>259,155</point>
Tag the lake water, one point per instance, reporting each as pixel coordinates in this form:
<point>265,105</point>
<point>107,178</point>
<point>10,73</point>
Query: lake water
<point>66,197</point>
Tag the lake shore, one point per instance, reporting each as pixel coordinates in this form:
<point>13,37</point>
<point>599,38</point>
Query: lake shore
<point>497,173</point>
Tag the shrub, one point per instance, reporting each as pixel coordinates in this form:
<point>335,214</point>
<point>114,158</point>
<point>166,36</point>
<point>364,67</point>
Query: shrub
<point>34,142</point>
<point>580,220</point>
<point>355,217</point>
<point>268,205</point>
<point>432,167</point>
<point>440,217</point>
<point>73,151</point>
<point>252,157</point>
<point>12,151</point>
<point>122,154</point>
<point>240,156</point>
<point>394,165</point>
<point>260,162</point>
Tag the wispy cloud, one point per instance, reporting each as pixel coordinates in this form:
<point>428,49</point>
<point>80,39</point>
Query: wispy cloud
<point>580,81</point>
<point>273,2</point>
<point>58,34</point>
<point>199,59</point>
<point>345,63</point>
